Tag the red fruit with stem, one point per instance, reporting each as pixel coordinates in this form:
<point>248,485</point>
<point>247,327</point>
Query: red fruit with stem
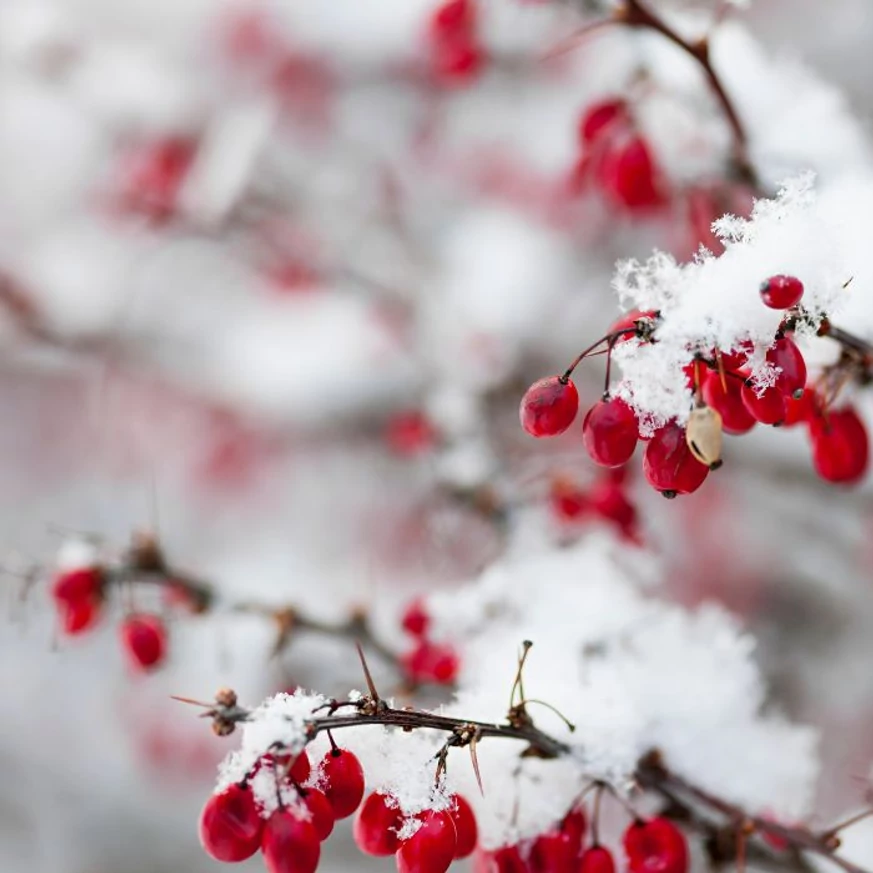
<point>345,781</point>
<point>466,831</point>
<point>655,846</point>
<point>431,662</point>
<point>320,812</point>
<point>596,860</point>
<point>669,466</point>
<point>575,824</point>
<point>610,432</point>
<point>552,852</point>
<point>77,616</point>
<point>599,118</point>
<point>431,849</point>
<point>788,358</point>
<point>230,825</point>
<point>376,826</point>
<point>781,292</point>
<point>725,396</point>
<point>766,407</point>
<point>144,638</point>
<point>83,583</point>
<point>840,445</point>
<point>290,844</point>
<point>416,620</point>
<point>628,175</point>
<point>507,859</point>
<point>549,406</point>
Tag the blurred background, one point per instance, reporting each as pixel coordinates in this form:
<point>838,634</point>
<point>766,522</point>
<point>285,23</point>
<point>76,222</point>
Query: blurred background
<point>273,277</point>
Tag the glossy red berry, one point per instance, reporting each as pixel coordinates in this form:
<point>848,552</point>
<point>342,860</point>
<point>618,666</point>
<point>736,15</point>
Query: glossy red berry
<point>610,432</point>
<point>629,176</point>
<point>840,445</point>
<point>599,118</point>
<point>83,583</point>
<point>230,825</point>
<point>300,769</point>
<point>78,616</point>
<point>507,859</point>
<point>549,407</point>
<point>416,620</point>
<point>596,860</point>
<point>466,831</point>
<point>344,779</point>
<point>655,846</point>
<point>803,409</point>
<point>669,466</point>
<point>431,662</point>
<point>785,355</point>
<point>552,852</point>
<point>377,824</point>
<point>290,844</point>
<point>431,849</point>
<point>781,292</point>
<point>320,812</point>
<point>767,406</point>
<point>725,396</point>
<point>144,638</point>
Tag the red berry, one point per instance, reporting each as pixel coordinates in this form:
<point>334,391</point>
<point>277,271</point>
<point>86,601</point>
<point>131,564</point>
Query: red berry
<point>768,407</point>
<point>610,501</point>
<point>320,811</point>
<point>840,445</point>
<point>597,860</point>
<point>78,616</point>
<point>81,584</point>
<point>415,619</point>
<point>568,502</point>
<point>431,662</point>
<point>549,407</point>
<point>599,118</point>
<point>785,355</point>
<point>737,358</point>
<point>230,825</point>
<point>409,434</point>
<point>466,830</point>
<point>655,846</point>
<point>457,61</point>
<point>300,769</point>
<point>431,849</point>
<point>610,432</point>
<point>376,825</point>
<point>802,409</point>
<point>552,852</point>
<point>453,18</point>
<point>575,824</point>
<point>144,638</point>
<point>669,466</point>
<point>630,320</point>
<point>629,177</point>
<point>155,175</point>
<point>345,781</point>
<point>781,292</point>
<point>290,844</point>
<point>506,859</point>
<point>725,396</point>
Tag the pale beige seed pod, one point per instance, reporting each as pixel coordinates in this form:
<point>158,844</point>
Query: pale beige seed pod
<point>703,435</point>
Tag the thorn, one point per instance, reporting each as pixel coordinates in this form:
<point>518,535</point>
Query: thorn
<point>474,758</point>
<point>191,701</point>
<point>371,686</point>
<point>557,712</point>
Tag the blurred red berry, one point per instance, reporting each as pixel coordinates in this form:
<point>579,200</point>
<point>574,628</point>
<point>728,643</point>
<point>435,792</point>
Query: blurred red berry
<point>144,639</point>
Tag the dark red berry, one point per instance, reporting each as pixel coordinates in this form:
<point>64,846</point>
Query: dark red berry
<point>466,831</point>
<point>785,355</point>
<point>377,824</point>
<point>781,292</point>
<point>629,176</point>
<point>144,638</point>
<point>552,852</point>
<point>230,825</point>
<point>300,769</point>
<point>507,859</point>
<point>416,620</point>
<point>599,118</point>
<point>767,407</point>
<point>431,849</point>
<point>345,781</point>
<point>610,432</point>
<point>725,395</point>
<point>431,662</point>
<point>597,860</point>
<point>290,844</point>
<point>840,445</point>
<point>655,846</point>
<point>320,811</point>
<point>669,466</point>
<point>81,584</point>
<point>549,407</point>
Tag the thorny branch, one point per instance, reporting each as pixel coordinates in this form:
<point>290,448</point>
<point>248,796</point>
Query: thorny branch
<point>727,827</point>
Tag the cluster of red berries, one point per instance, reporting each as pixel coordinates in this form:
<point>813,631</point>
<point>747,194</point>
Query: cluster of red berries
<point>677,458</point>
<point>232,827</point>
<point>616,160</point>
<point>427,661</point>
<point>79,598</point>
<point>456,54</point>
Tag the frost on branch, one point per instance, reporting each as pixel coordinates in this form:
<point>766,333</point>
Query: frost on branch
<point>714,302</point>
<point>631,672</point>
